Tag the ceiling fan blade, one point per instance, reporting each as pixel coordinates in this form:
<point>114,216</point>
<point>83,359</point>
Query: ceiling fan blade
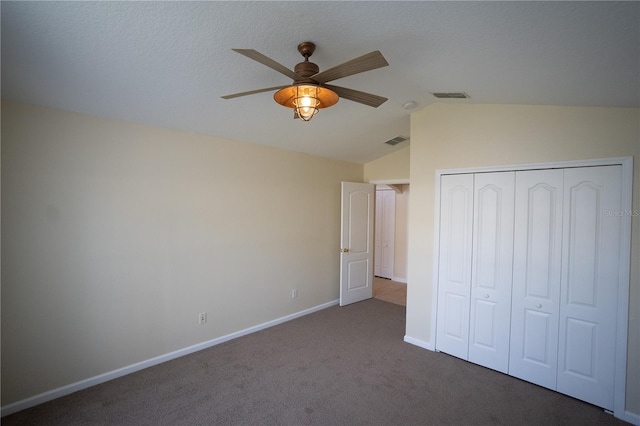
<point>265,60</point>
<point>251,92</point>
<point>367,62</point>
<point>357,96</point>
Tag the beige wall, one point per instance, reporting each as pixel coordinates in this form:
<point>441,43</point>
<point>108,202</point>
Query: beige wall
<point>389,167</point>
<point>115,236</point>
<point>455,136</point>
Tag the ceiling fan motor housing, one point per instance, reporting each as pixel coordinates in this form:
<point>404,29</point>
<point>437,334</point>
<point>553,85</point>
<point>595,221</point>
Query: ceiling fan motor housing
<point>306,69</point>
<point>290,96</point>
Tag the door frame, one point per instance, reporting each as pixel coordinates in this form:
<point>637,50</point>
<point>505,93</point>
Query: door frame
<point>393,182</point>
<point>381,222</point>
<point>624,263</point>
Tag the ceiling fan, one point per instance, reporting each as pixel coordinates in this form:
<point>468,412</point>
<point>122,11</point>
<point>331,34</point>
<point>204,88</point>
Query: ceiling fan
<point>309,92</point>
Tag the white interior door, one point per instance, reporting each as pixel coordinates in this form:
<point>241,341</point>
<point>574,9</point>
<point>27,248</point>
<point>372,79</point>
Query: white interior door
<point>492,269</point>
<point>385,232</point>
<point>590,253</point>
<point>356,254</point>
<point>377,240</point>
<point>536,276</point>
<point>454,264</point>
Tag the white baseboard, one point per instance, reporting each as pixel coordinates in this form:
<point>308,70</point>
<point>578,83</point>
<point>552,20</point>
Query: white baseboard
<point>96,380</point>
<point>630,417</point>
<point>420,343</point>
<point>399,280</point>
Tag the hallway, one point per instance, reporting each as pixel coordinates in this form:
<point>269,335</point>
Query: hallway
<point>390,291</point>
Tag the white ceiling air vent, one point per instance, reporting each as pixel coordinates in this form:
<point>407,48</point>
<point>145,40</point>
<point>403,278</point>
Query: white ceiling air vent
<point>396,140</point>
<point>450,95</point>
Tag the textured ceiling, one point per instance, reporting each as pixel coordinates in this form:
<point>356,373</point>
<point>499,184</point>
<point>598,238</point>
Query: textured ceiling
<point>167,63</point>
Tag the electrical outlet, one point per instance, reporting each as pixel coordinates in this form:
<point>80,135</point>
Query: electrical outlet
<point>202,318</point>
<point>294,293</point>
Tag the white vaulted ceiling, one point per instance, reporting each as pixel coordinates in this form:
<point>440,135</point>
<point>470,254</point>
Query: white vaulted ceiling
<point>167,63</point>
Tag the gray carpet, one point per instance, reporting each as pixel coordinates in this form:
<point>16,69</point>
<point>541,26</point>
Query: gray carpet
<point>340,366</point>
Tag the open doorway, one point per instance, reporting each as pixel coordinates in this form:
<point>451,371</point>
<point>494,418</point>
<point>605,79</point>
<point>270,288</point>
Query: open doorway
<point>390,242</point>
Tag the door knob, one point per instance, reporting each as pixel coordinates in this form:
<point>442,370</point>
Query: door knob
<point>344,250</point>
<point>539,305</point>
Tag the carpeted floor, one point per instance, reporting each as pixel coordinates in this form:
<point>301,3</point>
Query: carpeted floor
<point>340,366</point>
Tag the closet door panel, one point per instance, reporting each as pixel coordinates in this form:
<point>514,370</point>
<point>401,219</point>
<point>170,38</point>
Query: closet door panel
<point>388,234</point>
<point>377,242</point>
<point>492,270</point>
<point>454,265</point>
<point>536,276</point>
<point>589,283</point>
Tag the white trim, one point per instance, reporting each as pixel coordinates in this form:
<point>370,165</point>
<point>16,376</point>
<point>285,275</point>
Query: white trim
<point>620,375</point>
<point>418,342</point>
<point>393,182</point>
<point>436,261</point>
<point>539,166</point>
<point>632,418</point>
<point>399,280</point>
<point>390,181</point>
<point>624,267</point>
<point>105,377</point>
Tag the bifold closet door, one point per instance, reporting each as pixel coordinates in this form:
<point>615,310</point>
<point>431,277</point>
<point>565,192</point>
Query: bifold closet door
<point>491,271</point>
<point>454,264</point>
<point>536,276</point>
<point>529,276</point>
<point>385,223</point>
<point>589,296</point>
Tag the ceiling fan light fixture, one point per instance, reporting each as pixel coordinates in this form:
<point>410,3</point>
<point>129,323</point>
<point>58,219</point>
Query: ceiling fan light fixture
<point>306,102</point>
<point>305,99</point>
<point>309,92</point>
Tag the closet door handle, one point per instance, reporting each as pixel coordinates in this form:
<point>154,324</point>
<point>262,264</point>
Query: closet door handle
<point>486,296</point>
<point>539,305</point>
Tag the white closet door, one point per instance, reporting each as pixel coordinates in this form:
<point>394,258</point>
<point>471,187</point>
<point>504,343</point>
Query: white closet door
<point>590,253</point>
<point>387,233</point>
<point>454,265</point>
<point>377,244</point>
<point>492,270</point>
<point>536,276</point>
